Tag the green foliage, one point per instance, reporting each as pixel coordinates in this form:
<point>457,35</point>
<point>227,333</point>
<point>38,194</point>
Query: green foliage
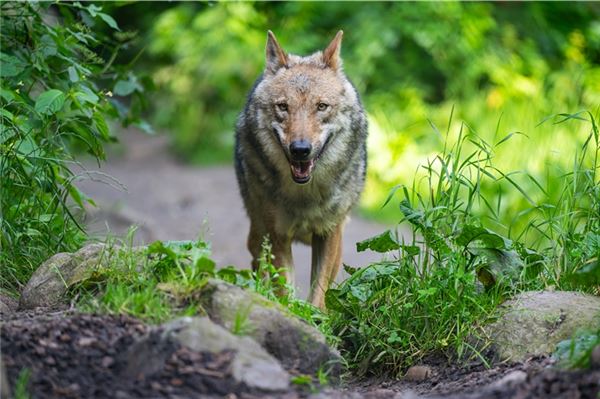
<point>165,279</point>
<point>55,97</point>
<point>577,351</point>
<point>502,67</point>
<point>443,285</point>
<point>21,385</point>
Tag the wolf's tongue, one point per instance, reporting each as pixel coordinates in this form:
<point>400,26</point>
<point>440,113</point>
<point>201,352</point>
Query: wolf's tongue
<point>301,170</point>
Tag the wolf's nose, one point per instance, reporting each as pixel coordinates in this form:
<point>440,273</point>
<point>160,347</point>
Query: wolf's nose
<point>300,150</point>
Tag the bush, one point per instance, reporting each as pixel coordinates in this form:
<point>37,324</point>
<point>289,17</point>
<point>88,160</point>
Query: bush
<point>439,288</point>
<point>58,82</point>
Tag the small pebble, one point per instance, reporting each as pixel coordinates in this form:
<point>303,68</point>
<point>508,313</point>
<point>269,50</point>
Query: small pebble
<point>177,382</point>
<point>418,373</point>
<point>512,378</point>
<point>107,361</point>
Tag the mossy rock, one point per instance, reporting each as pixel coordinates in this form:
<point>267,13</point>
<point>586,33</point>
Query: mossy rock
<point>533,323</point>
<point>295,343</point>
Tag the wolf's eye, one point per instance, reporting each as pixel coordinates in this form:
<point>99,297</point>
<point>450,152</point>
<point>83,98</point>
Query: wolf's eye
<point>282,107</point>
<point>322,106</point>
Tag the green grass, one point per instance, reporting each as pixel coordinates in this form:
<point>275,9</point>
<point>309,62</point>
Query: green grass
<point>433,293</point>
<point>163,281</point>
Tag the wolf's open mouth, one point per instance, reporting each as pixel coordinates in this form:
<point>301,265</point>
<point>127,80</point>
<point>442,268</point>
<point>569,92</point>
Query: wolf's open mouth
<point>301,170</point>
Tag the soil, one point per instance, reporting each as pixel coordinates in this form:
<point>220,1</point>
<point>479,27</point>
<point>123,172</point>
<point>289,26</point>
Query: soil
<point>74,355</point>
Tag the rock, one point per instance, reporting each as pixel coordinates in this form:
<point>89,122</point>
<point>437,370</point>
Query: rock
<point>251,364</point>
<point>533,323</point>
<point>52,279</point>
<point>418,373</point>
<point>512,378</point>
<point>297,345</point>
<point>8,304</point>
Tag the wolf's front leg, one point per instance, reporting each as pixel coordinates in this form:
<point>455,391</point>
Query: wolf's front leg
<point>326,262</point>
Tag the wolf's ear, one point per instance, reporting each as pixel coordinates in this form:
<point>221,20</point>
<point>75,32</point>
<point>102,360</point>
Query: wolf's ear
<point>276,57</point>
<point>331,55</point>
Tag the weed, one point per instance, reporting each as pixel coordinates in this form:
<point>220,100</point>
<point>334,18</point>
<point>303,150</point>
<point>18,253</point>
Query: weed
<point>163,280</point>
<point>21,385</point>
<point>461,261</point>
<point>577,351</point>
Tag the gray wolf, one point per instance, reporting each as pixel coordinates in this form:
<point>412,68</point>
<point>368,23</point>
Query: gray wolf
<point>300,158</point>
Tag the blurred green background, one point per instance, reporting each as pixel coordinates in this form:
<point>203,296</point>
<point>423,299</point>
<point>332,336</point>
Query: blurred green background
<point>499,68</point>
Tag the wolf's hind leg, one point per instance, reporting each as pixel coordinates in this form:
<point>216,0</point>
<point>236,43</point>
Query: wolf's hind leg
<point>326,261</point>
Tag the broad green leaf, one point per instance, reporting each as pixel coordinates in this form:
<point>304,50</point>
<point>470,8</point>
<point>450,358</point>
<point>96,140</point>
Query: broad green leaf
<point>109,20</point>
<point>94,9</point>
<point>85,94</point>
<point>73,75</point>
<point>126,87</point>
<point>10,65</point>
<point>47,46</point>
<point>50,102</point>
<point>7,95</point>
<point>483,237</point>
<point>383,242</point>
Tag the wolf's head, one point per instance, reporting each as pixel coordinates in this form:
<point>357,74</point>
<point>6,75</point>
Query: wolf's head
<point>305,103</point>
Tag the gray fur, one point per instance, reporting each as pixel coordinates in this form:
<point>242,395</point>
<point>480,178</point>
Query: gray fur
<point>262,164</point>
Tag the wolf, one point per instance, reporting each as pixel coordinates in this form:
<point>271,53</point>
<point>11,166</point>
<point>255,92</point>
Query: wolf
<point>301,159</point>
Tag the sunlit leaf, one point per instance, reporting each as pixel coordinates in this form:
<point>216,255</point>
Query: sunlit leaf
<point>50,102</point>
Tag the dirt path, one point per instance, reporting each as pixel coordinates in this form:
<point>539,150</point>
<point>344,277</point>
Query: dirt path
<point>173,201</point>
<point>73,355</point>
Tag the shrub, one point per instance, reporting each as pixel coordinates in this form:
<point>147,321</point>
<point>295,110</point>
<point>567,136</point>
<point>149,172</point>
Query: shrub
<point>58,80</point>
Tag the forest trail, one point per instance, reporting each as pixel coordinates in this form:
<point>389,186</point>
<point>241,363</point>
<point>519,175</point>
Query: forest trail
<point>142,183</point>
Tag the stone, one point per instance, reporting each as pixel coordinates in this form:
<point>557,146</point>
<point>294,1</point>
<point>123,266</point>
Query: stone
<point>533,323</point>
<point>418,373</point>
<point>296,344</point>
<point>512,378</point>
<point>8,304</point>
<point>251,364</point>
<point>54,277</point>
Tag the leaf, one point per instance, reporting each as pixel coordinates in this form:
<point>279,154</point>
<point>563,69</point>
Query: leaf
<point>47,46</point>
<point>381,243</point>
<point>360,292</point>
<point>73,75</point>
<point>109,20</point>
<point>126,87</point>
<point>50,102</point>
<point>349,269</point>
<point>7,95</point>
<point>86,95</point>
<point>484,237</point>
<point>101,126</point>
<point>94,10</point>
<point>11,66</point>
<point>333,301</point>
<point>411,250</point>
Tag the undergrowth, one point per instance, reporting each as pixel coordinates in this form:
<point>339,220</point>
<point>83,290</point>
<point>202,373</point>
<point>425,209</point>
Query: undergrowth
<point>438,287</point>
<point>164,280</point>
<point>60,87</point>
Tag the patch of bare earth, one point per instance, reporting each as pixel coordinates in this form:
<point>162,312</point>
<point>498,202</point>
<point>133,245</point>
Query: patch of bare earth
<point>73,355</point>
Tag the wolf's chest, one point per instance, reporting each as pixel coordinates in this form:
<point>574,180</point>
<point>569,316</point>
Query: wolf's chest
<point>308,210</point>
